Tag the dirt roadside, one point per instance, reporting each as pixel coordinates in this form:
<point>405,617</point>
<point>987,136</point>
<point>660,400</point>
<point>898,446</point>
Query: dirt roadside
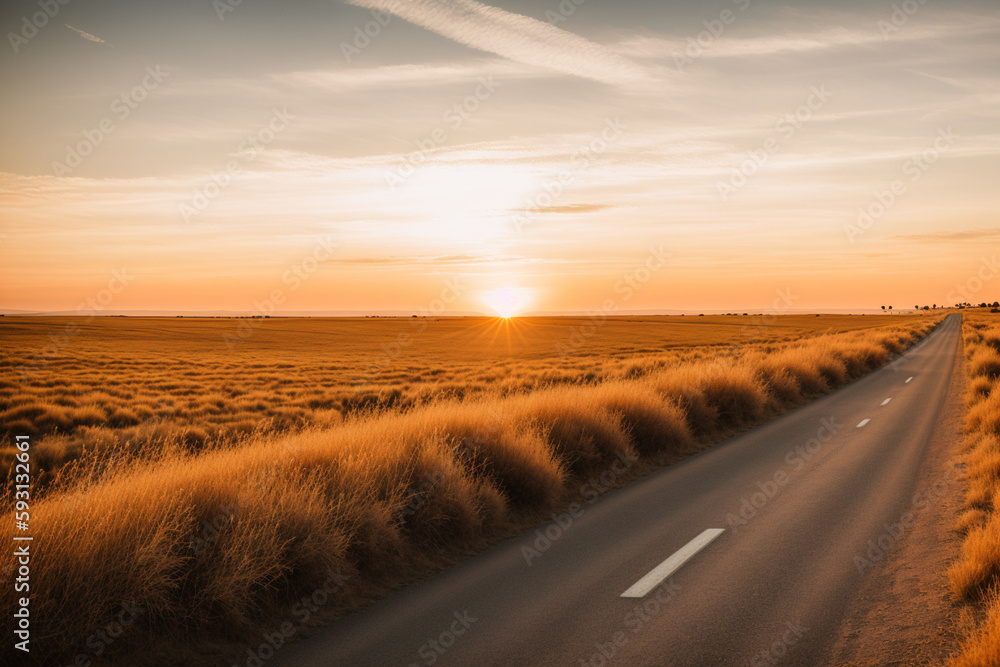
<point>906,613</point>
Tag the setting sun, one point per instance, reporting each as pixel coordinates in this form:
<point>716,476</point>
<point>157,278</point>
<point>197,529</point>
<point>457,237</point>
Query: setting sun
<point>507,302</point>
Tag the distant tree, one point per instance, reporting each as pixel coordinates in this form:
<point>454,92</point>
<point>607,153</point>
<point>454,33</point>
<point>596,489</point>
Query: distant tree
<point>996,304</point>
<point>927,307</point>
<point>883,307</point>
<point>890,308</point>
<point>916,308</point>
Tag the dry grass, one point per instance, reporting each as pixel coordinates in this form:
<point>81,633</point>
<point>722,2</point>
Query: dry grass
<point>143,381</point>
<point>975,577</point>
<point>379,498</point>
<point>979,649</point>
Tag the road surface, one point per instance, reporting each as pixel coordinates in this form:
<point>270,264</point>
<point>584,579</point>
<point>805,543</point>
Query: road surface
<point>749,553</point>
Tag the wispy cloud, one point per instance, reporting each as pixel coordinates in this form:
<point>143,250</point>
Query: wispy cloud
<point>416,261</point>
<point>396,261</point>
<point>980,234</point>
<point>791,39</point>
<point>568,208</point>
<point>405,75</point>
<point>87,35</point>
<point>514,36</point>
<point>386,261</point>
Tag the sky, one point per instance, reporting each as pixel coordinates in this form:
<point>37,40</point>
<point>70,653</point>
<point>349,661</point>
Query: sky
<point>515,157</point>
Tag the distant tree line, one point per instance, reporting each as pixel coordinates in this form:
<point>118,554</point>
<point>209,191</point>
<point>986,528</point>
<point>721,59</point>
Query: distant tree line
<point>961,306</point>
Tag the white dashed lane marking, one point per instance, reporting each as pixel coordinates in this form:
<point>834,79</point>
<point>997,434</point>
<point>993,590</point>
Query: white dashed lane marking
<point>672,564</point>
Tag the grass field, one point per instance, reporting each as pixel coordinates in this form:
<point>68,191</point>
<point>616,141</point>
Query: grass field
<point>975,577</point>
<point>77,385</point>
<point>493,427</point>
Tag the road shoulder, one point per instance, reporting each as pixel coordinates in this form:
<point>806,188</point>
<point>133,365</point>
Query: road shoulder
<point>906,614</point>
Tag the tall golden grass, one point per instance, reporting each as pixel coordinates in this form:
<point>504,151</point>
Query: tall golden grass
<point>975,577</point>
<point>380,498</point>
<point>150,382</point>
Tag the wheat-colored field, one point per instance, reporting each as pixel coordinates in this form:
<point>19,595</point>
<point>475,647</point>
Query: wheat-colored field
<point>976,575</point>
<point>493,426</point>
<point>80,385</point>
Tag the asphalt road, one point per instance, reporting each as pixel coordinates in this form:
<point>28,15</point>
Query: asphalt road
<point>808,505</point>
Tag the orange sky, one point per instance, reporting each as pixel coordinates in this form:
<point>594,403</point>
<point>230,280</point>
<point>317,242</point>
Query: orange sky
<point>519,161</point>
